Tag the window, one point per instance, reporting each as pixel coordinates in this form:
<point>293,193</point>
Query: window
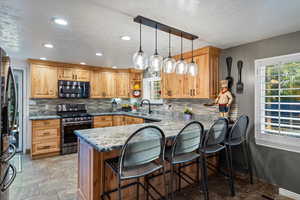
<point>277,102</point>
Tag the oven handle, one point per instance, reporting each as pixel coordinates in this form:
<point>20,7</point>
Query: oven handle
<point>76,123</point>
<point>6,185</point>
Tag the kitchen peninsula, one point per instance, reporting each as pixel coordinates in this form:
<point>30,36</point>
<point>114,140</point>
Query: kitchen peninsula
<point>98,144</point>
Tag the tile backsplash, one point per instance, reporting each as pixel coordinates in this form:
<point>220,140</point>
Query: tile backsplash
<point>48,106</point>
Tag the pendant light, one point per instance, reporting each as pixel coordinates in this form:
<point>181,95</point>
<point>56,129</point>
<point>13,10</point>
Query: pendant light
<point>156,60</point>
<point>192,67</point>
<point>140,60</point>
<point>169,62</point>
<point>181,65</point>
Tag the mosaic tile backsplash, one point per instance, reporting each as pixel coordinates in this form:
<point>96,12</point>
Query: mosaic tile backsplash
<point>48,106</point>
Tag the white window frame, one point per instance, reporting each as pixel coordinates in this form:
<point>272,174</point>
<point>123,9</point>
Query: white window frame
<point>274,141</point>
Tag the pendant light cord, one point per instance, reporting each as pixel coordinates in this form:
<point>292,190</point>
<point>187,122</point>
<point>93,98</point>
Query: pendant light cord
<point>192,51</point>
<point>140,36</point>
<point>169,44</point>
<point>181,47</point>
<point>155,53</point>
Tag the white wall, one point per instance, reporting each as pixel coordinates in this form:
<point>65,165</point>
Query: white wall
<point>23,65</point>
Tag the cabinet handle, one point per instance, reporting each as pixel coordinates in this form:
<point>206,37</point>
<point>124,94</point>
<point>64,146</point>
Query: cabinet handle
<point>46,133</point>
<point>191,93</point>
<point>76,76</point>
<point>194,92</point>
<point>44,147</point>
<point>46,123</point>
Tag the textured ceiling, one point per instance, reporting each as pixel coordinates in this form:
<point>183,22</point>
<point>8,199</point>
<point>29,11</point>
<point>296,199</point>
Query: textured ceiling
<point>96,26</point>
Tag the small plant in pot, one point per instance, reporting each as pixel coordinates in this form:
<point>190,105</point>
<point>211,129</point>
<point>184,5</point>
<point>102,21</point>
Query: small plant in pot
<point>188,114</point>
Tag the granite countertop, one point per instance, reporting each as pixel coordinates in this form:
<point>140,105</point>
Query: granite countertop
<point>110,138</point>
<point>43,117</point>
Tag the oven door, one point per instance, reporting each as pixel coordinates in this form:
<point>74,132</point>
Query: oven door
<point>68,135</point>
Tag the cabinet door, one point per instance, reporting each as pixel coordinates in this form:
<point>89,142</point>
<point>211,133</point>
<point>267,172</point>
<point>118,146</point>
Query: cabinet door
<point>122,84</point>
<point>172,85</point>
<point>66,73</point>
<point>203,78</point>
<point>108,86</point>
<point>43,81</point>
<point>82,75</point>
<point>118,120</point>
<point>103,121</point>
<point>96,82</point>
<point>189,84</point>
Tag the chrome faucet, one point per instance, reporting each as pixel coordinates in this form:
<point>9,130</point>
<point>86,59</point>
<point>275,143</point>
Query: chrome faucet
<point>149,106</point>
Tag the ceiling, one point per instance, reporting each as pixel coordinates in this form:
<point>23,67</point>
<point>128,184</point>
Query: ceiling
<point>96,26</point>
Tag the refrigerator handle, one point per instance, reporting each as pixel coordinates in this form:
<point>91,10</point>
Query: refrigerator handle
<point>14,125</point>
<point>5,185</point>
<point>11,154</point>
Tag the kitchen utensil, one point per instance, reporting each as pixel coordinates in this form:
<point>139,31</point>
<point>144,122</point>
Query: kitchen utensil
<point>240,84</point>
<point>229,77</point>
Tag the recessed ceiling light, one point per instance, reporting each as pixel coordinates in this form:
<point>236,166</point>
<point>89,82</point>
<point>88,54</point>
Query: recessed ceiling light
<point>114,67</point>
<point>48,45</point>
<point>125,37</point>
<point>60,21</point>
<point>99,54</point>
<point>43,58</point>
<point>83,63</point>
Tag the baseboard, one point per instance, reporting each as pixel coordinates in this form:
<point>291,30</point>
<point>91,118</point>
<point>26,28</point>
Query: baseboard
<point>289,194</point>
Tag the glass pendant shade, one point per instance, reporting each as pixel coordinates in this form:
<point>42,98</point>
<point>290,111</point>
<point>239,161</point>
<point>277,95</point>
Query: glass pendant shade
<point>181,67</point>
<point>169,65</point>
<point>192,69</point>
<point>140,60</point>
<point>156,62</point>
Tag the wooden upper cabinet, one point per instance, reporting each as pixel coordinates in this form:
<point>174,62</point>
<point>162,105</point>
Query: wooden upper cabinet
<point>73,74</point>
<point>65,73</point>
<point>204,85</point>
<point>95,84</point>
<point>172,85</point>
<point>122,84</point>
<point>82,75</point>
<point>43,81</point>
<point>108,86</point>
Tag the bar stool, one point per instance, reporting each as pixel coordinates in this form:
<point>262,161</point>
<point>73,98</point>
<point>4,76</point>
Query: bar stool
<point>184,149</point>
<point>214,143</point>
<point>141,155</point>
<point>238,136</point>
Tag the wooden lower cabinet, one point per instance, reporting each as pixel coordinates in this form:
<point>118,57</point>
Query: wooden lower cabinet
<point>45,138</point>
<point>103,121</point>
<point>95,177</point>
<point>133,120</point>
<point>116,120</point>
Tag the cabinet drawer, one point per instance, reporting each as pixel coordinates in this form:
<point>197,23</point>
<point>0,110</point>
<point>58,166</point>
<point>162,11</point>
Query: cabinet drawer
<point>103,124</point>
<point>102,118</point>
<point>44,134</point>
<point>134,120</point>
<point>46,123</point>
<point>47,146</point>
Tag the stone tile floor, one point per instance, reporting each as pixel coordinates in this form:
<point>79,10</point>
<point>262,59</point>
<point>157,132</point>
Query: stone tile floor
<point>55,178</point>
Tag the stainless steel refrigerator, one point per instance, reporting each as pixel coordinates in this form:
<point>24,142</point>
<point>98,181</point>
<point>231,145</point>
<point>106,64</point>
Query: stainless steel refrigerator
<point>8,125</point>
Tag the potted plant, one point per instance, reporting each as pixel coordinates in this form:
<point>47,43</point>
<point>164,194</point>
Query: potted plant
<point>187,114</point>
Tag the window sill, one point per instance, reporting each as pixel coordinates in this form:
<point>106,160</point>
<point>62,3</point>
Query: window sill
<point>278,142</point>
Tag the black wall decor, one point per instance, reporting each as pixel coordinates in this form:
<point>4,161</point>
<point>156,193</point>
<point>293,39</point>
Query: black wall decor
<point>154,24</point>
<point>229,77</point>
<point>240,84</point>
